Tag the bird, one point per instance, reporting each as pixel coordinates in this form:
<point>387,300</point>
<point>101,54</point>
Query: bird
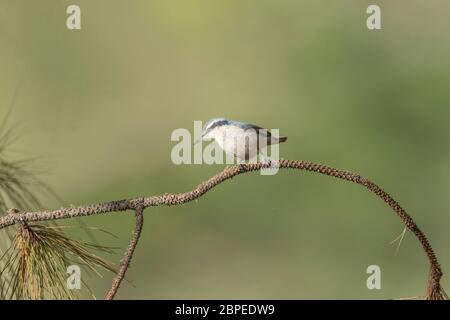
<point>241,140</point>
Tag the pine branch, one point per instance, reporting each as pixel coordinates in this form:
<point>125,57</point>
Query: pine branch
<point>434,291</point>
<point>126,260</point>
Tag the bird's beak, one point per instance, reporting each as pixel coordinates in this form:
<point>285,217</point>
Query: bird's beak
<point>198,140</point>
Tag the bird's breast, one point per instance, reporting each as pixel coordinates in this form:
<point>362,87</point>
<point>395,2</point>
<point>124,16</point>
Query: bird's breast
<point>236,141</point>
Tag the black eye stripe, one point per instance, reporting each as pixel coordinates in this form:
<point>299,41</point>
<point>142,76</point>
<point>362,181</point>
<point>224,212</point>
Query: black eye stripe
<point>216,124</point>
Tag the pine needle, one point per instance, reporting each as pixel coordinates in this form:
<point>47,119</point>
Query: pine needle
<point>35,265</point>
<point>399,239</point>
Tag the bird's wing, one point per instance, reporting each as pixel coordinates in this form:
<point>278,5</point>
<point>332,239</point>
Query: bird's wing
<point>258,129</point>
<point>262,133</point>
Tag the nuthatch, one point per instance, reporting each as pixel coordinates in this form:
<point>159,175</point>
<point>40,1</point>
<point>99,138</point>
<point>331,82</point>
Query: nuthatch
<point>239,139</point>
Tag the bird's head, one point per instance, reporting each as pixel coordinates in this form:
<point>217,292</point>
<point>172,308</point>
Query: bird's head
<point>210,127</point>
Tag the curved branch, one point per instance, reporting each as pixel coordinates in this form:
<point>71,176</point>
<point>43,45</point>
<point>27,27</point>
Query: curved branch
<point>125,262</point>
<point>434,288</point>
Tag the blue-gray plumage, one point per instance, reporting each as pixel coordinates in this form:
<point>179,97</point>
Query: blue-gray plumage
<point>240,139</point>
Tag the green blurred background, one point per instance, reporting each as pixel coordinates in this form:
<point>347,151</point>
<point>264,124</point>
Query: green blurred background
<point>98,107</point>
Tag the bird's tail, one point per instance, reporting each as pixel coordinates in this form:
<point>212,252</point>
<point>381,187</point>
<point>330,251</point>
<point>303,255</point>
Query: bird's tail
<point>282,139</point>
